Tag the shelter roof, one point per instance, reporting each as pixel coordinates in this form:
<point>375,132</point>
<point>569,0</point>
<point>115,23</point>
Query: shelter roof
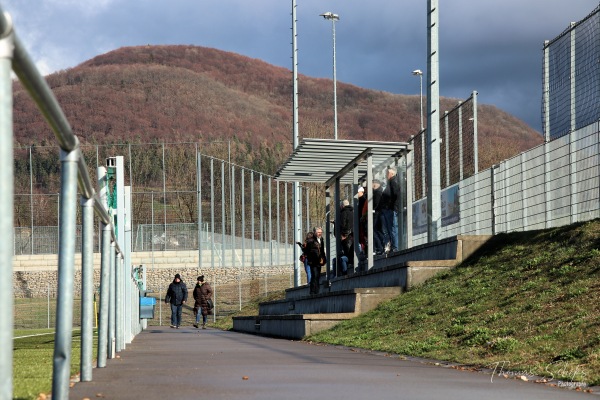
<point>320,160</point>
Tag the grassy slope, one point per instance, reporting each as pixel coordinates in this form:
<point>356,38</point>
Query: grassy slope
<point>530,301</point>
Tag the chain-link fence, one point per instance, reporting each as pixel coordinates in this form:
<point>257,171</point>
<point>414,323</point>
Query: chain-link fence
<point>458,152</point>
<point>572,78</point>
<point>200,213</point>
<point>178,195</point>
<point>36,308</point>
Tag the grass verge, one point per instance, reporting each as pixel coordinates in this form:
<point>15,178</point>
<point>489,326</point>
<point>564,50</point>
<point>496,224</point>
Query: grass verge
<point>528,302</point>
<point>32,362</point>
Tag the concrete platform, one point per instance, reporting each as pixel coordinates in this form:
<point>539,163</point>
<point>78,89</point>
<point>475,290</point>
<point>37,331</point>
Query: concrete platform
<point>301,314</point>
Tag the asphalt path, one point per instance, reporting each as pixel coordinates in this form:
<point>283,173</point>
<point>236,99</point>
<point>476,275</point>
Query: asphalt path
<point>188,363</point>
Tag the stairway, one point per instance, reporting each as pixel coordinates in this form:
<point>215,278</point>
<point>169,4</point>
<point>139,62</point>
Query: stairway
<point>301,314</point>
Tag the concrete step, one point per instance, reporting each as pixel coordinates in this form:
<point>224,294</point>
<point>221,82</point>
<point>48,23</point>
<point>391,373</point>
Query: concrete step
<point>290,326</point>
<point>299,317</point>
<point>405,275</point>
<point>357,300</point>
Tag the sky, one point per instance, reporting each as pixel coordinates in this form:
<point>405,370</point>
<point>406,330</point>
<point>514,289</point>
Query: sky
<point>493,47</point>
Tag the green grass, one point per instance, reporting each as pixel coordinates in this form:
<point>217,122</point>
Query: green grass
<point>32,362</point>
<point>528,301</point>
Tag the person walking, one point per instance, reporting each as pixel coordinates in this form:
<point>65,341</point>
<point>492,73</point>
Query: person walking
<point>304,256</point>
<point>202,293</point>
<point>316,259</point>
<point>177,295</point>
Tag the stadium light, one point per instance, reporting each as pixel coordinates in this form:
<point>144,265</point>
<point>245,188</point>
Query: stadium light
<point>419,73</point>
<point>333,17</point>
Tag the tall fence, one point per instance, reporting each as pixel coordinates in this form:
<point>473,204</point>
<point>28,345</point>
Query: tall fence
<point>458,152</point>
<point>554,184</point>
<point>571,78</point>
<point>179,196</point>
<point>196,214</point>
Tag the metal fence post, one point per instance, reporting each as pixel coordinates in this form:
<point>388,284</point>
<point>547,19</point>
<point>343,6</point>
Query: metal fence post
<point>48,305</point>
<point>252,217</point>
<point>112,301</point>
<point>199,202</point>
<point>243,231</point>
<point>87,288</point>
<point>66,275</point>
<point>270,221</point>
<point>260,215</point>
<point>6,212</point>
<point>104,296</point>
<point>278,260</point>
<point>31,197</point>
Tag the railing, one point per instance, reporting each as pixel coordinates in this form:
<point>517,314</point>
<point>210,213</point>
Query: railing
<point>74,176</point>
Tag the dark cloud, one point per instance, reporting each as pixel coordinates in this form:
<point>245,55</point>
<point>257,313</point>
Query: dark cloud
<point>494,47</point>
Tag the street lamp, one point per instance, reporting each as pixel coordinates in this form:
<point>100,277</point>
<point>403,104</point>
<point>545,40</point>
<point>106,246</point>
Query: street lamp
<point>419,73</point>
<point>333,17</point>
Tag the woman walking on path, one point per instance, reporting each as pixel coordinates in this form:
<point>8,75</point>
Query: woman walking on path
<point>202,294</point>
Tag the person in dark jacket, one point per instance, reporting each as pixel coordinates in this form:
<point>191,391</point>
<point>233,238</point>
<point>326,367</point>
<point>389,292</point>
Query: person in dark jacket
<point>316,259</point>
<point>177,295</point>
<point>202,293</point>
<point>379,204</point>
<point>392,209</point>
<point>346,255</point>
<point>304,257</point>
<point>347,217</point>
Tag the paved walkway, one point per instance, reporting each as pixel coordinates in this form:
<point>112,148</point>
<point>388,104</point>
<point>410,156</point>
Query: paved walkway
<point>164,363</point>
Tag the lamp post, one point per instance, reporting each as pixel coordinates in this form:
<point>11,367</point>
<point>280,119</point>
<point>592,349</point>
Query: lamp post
<point>333,17</point>
<point>419,73</point>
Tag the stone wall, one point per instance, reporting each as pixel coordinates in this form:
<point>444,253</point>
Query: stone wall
<point>37,275</point>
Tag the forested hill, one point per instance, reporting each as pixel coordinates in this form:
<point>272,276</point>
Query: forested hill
<point>188,93</point>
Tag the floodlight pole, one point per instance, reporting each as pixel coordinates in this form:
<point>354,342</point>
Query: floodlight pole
<point>297,194</point>
<point>333,17</point>
<point>419,73</point>
<point>433,123</point>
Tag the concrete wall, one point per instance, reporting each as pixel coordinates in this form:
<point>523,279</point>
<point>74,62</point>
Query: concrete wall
<point>36,275</point>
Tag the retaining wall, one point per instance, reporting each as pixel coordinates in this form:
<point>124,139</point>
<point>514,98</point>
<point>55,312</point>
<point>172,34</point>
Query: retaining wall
<point>37,275</point>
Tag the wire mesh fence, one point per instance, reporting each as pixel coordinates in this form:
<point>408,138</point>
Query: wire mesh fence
<point>458,152</point>
<point>37,309</point>
<point>572,78</point>
<point>176,191</point>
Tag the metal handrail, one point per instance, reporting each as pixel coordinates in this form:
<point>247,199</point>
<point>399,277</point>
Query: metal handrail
<point>44,98</point>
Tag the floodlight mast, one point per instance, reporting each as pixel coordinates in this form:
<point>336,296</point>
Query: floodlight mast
<point>333,17</point>
<point>419,73</point>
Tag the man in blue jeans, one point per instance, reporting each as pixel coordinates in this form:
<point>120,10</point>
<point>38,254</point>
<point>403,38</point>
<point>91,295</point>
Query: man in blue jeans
<point>390,213</point>
<point>346,255</point>
<point>177,296</point>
